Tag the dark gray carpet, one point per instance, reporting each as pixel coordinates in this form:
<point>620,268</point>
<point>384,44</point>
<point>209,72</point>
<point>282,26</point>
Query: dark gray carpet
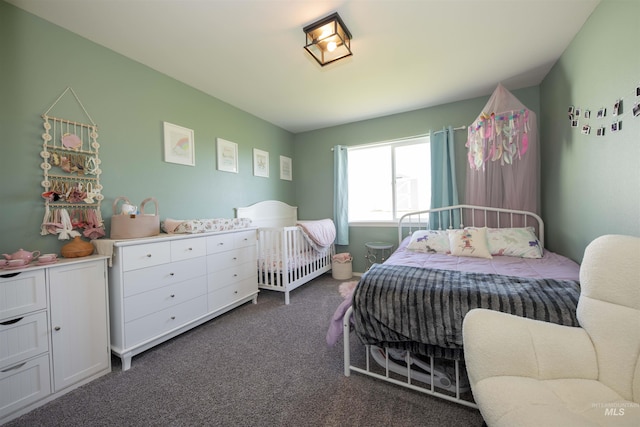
<point>259,365</point>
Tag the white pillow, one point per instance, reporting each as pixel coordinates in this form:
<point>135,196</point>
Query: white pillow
<point>516,242</point>
<point>429,241</point>
<point>470,242</point>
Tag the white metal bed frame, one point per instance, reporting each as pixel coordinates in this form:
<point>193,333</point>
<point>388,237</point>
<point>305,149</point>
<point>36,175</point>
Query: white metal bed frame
<point>477,216</point>
<point>281,243</point>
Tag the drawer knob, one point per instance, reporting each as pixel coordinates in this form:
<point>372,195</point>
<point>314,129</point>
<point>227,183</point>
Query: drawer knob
<point>221,244</point>
<point>190,249</point>
<point>235,292</point>
<point>235,275</point>
<point>235,258</point>
<point>57,328</point>
<point>172,274</point>
<point>173,295</point>
<point>173,317</point>
<point>148,255</point>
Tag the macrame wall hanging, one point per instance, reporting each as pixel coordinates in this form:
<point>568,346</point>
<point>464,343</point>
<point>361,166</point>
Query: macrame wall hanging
<point>71,168</point>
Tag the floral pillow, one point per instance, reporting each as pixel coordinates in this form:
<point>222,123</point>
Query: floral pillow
<point>516,242</point>
<point>469,242</point>
<point>429,241</point>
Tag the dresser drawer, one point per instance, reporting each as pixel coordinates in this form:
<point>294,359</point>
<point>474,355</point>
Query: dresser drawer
<point>146,279</point>
<point>23,338</point>
<point>146,255</point>
<point>24,384</point>
<point>143,304</point>
<point>233,274</point>
<point>220,243</point>
<point>22,293</point>
<point>230,258</point>
<point>222,297</point>
<point>246,238</point>
<point>161,322</point>
<point>188,248</point>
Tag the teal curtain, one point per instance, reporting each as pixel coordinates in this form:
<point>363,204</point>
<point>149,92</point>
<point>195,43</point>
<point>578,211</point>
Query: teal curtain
<point>341,194</point>
<point>444,191</point>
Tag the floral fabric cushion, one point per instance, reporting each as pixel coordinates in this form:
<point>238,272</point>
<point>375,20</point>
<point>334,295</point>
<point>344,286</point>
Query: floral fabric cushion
<point>516,242</point>
<point>429,241</point>
<point>469,242</point>
<point>193,226</point>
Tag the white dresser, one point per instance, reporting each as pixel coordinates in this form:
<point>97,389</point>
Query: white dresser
<point>54,331</point>
<point>162,286</point>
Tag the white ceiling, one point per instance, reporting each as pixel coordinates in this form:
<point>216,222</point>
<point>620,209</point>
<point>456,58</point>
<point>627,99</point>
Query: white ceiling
<point>407,54</point>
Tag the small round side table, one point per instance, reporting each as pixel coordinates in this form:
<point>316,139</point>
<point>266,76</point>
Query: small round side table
<point>377,252</point>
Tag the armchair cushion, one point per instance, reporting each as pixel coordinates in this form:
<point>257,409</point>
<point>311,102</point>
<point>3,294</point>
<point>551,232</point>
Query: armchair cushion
<point>529,373</point>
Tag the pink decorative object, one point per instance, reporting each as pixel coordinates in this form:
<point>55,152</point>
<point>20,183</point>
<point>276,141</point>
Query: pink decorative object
<point>70,140</point>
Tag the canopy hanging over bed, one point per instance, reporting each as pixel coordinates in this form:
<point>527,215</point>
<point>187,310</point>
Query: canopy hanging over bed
<point>503,155</point>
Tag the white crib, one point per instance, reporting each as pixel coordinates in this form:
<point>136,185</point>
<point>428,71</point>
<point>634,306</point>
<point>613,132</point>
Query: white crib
<point>285,258</point>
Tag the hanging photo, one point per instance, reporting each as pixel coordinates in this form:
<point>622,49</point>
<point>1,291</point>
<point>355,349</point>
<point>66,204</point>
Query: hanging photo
<point>586,129</point>
<point>587,114</point>
<point>602,113</point>
<point>616,126</point>
<point>638,91</point>
<point>617,107</point>
<point>600,131</point>
<point>577,112</point>
<point>574,123</point>
<point>570,111</point>
<point>636,109</point>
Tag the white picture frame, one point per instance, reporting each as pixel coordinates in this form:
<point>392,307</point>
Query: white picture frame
<point>260,163</point>
<point>286,171</point>
<point>227,155</point>
<point>179,145</point>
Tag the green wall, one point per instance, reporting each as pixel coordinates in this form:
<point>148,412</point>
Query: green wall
<point>314,158</point>
<point>591,184</point>
<point>129,102</point>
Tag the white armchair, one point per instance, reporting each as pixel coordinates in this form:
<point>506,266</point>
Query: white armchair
<point>525,372</point>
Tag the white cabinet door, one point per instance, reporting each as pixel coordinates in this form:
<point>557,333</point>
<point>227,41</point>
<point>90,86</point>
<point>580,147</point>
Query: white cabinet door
<point>79,321</point>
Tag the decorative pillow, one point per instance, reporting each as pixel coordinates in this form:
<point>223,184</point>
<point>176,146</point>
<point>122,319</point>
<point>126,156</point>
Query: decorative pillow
<point>470,242</point>
<point>429,241</point>
<point>516,242</point>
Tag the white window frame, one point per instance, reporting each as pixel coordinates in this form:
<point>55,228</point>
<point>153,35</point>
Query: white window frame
<point>393,144</point>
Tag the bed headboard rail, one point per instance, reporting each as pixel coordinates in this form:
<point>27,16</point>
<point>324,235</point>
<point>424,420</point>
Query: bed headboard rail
<point>460,216</point>
<point>269,213</point>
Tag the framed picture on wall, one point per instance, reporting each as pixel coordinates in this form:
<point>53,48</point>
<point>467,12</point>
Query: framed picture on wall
<point>179,146</point>
<point>285,168</point>
<point>260,163</point>
<point>227,155</point>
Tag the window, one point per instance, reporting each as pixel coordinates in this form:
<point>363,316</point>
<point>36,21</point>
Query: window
<point>388,180</point>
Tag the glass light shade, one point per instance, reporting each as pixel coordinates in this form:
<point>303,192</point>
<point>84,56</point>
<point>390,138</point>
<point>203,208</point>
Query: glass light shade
<point>328,39</point>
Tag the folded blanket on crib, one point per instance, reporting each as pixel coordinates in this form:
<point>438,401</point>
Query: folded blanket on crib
<point>321,232</point>
<point>191,226</point>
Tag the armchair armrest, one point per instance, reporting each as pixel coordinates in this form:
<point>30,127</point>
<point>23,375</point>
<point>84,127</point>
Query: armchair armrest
<point>500,344</point>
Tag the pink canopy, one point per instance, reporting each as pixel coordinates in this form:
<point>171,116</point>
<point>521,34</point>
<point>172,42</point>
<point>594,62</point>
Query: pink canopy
<point>503,155</point>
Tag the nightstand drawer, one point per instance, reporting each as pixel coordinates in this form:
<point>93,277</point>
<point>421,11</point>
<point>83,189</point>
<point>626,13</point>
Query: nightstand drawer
<point>146,255</point>
<point>22,293</point>
<point>233,274</point>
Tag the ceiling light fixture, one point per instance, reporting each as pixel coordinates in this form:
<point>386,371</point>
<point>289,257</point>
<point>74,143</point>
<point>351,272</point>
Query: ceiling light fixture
<point>328,39</point>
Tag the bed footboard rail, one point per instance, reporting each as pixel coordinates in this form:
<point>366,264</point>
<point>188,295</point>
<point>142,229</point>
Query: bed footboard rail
<point>409,373</point>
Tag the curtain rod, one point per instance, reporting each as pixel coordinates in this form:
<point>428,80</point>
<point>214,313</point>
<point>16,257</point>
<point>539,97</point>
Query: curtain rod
<point>373,144</point>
